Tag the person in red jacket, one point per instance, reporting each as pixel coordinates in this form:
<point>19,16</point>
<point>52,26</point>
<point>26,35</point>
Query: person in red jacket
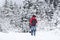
<point>33,22</point>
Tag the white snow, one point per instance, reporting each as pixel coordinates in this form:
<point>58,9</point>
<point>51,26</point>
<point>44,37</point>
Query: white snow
<point>19,2</point>
<point>42,35</point>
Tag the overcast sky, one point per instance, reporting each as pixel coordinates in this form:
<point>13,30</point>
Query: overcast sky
<point>19,2</point>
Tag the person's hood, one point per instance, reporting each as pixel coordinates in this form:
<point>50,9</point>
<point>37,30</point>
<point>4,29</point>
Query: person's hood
<point>33,18</point>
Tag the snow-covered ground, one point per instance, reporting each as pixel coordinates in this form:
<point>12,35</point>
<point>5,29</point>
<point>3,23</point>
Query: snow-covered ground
<point>42,35</point>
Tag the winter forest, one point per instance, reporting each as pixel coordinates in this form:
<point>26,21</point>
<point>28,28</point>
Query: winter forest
<point>15,17</point>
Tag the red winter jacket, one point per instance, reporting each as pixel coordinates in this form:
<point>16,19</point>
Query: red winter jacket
<point>33,18</point>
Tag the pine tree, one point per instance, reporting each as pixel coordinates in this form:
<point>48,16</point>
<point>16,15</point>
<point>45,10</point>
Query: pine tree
<point>6,3</point>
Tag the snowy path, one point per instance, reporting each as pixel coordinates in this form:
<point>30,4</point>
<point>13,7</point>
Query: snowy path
<point>43,35</point>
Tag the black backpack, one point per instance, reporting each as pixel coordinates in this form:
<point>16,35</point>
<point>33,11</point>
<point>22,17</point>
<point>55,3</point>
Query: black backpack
<point>34,22</point>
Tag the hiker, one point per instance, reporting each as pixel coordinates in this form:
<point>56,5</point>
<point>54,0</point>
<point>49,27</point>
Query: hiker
<point>33,22</point>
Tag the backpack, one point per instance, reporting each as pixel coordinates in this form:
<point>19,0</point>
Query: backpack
<point>34,22</point>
